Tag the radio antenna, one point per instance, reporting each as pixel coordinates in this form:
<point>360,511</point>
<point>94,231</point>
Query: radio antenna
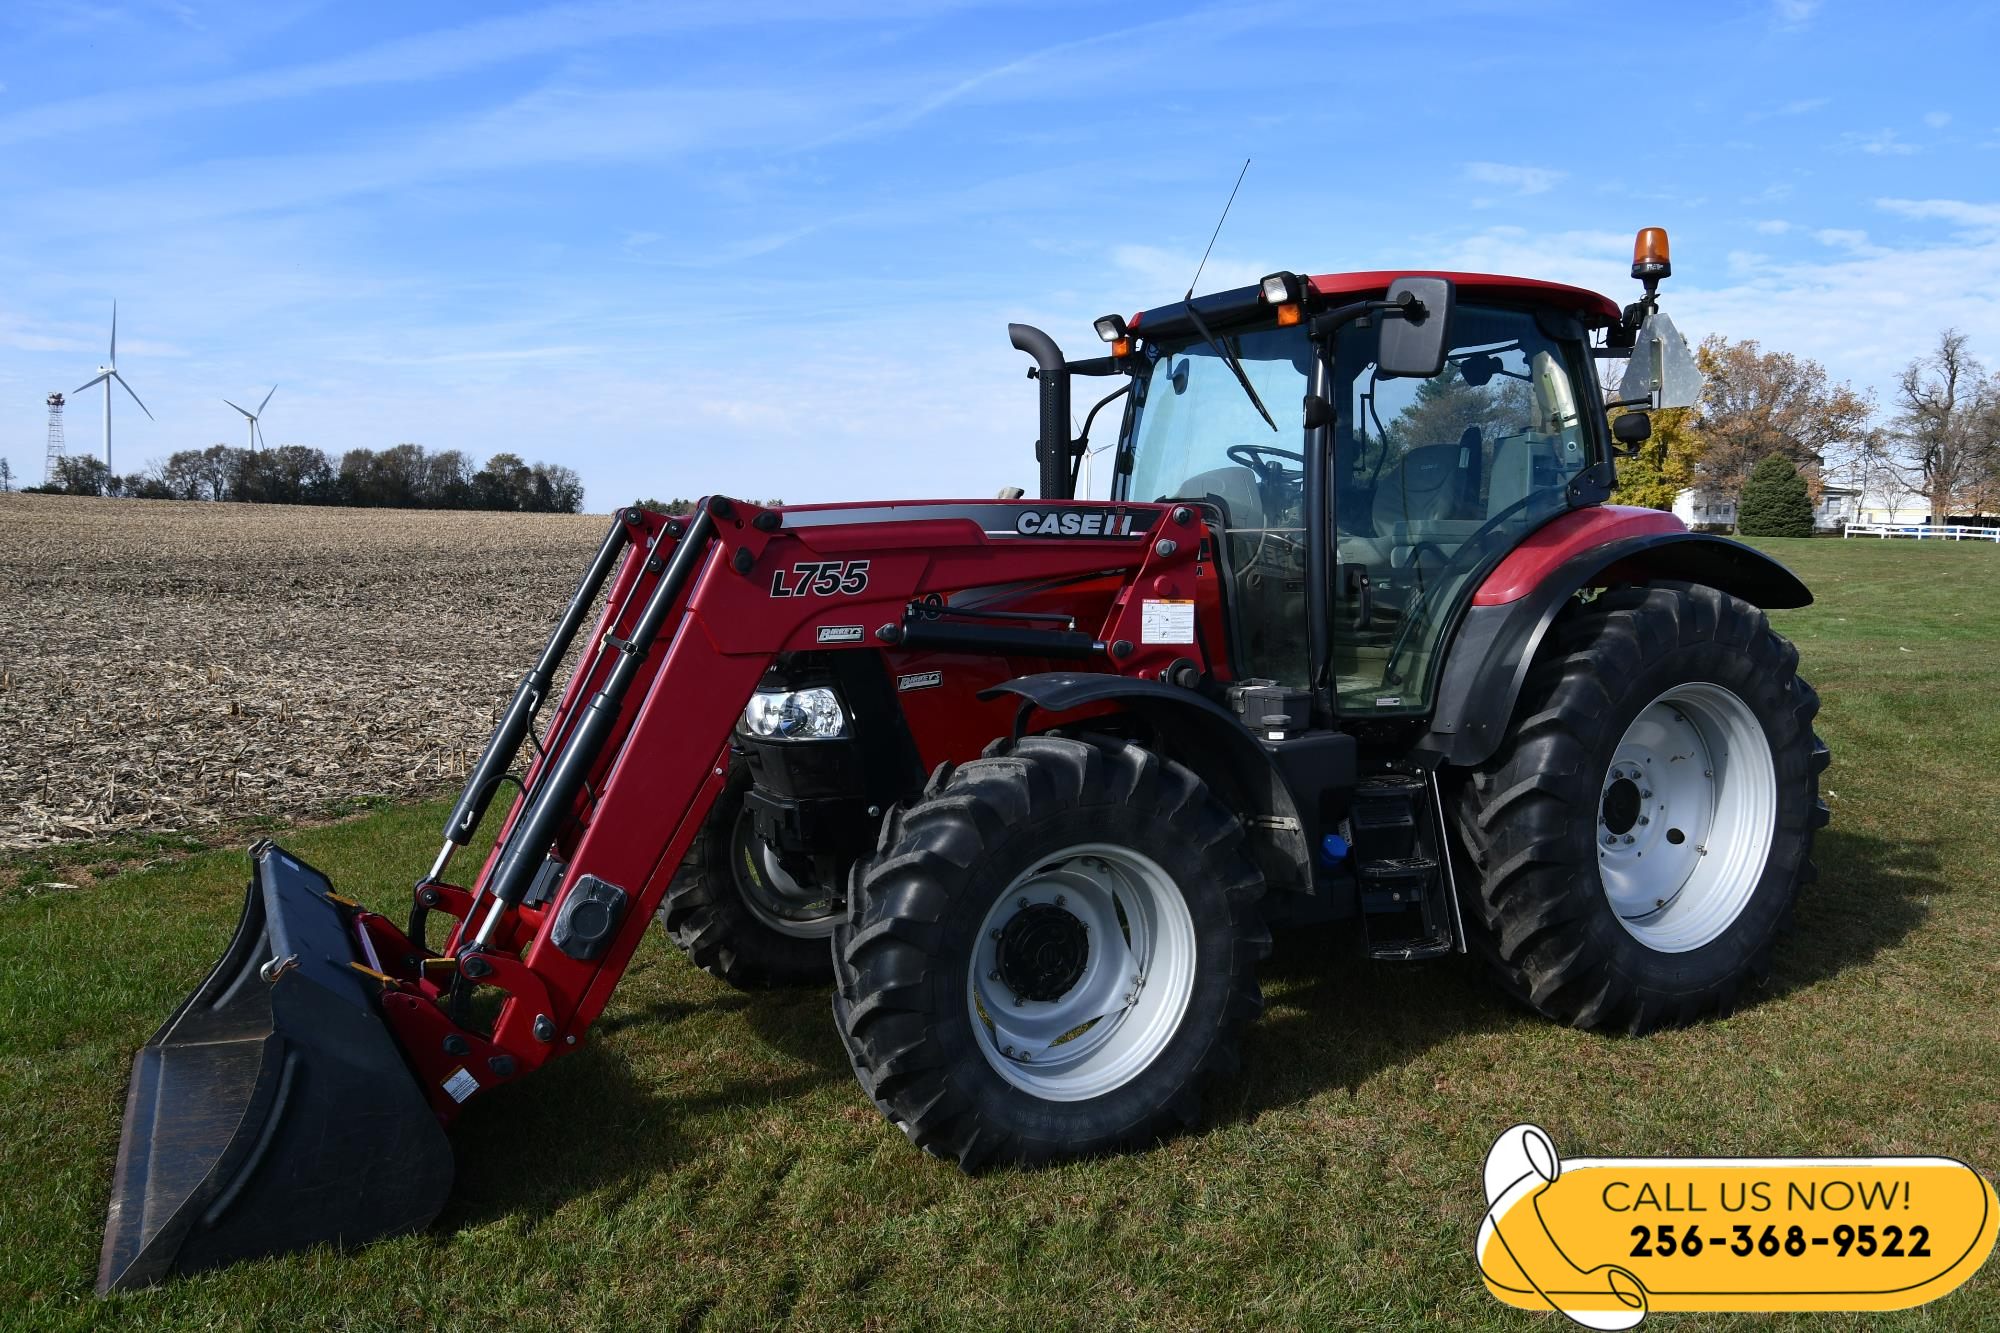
<point>1218,229</point>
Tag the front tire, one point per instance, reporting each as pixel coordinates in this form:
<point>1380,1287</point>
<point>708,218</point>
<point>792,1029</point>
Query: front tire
<point>1050,954</point>
<point>736,913</point>
<point>1643,832</point>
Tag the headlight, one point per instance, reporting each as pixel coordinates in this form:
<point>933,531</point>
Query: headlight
<point>796,715</point>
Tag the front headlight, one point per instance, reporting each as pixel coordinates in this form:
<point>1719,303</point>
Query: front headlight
<point>811,714</point>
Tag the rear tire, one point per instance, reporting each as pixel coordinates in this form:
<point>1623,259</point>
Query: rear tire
<point>1668,721</point>
<point>724,913</point>
<point>985,1012</point>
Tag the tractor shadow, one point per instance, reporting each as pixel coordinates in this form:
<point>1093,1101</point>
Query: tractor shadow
<point>617,1116</point>
<point>635,1104</point>
<point>1332,1019</point>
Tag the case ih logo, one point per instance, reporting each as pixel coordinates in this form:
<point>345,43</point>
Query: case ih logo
<point>1076,523</point>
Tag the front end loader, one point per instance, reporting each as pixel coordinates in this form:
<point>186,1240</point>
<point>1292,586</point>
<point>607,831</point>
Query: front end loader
<point>1029,781</point>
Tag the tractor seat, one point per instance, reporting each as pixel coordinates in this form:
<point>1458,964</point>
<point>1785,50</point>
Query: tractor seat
<point>1236,487</point>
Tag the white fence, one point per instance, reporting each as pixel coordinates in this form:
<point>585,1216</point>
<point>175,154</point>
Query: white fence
<point>1937,531</point>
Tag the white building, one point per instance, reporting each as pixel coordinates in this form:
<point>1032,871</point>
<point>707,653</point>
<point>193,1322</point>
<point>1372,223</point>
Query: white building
<point>1705,509</point>
<point>1837,507</point>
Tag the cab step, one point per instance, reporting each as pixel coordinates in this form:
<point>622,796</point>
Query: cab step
<point>1408,909</point>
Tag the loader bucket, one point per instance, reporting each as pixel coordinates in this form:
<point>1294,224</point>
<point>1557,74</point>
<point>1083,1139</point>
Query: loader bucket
<point>274,1110</point>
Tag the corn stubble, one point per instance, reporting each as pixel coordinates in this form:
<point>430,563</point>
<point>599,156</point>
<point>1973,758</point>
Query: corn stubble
<point>179,667</point>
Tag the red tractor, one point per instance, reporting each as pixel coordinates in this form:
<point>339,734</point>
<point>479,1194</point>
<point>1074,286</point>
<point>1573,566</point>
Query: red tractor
<point>1356,636</point>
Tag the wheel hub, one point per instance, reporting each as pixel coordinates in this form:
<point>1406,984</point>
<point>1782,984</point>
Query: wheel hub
<point>1621,806</point>
<point>1081,971</point>
<point>1042,952</point>
<point>773,895</point>
<point>1685,816</point>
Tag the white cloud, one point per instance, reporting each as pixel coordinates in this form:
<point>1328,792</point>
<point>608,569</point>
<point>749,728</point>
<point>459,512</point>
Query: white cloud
<point>1937,120</point>
<point>550,30</point>
<point>1803,105</point>
<point>1519,179</point>
<point>1771,227</point>
<point>1793,13</point>
<point>1164,273</point>
<point>1880,142</point>
<point>1861,308</point>
<point>1977,217</point>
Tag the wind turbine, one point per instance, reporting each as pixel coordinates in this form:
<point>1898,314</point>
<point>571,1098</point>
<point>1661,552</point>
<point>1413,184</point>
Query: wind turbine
<point>256,431</point>
<point>105,374</point>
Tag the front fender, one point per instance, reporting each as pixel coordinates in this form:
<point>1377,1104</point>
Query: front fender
<point>1274,787</point>
<point>1511,613</point>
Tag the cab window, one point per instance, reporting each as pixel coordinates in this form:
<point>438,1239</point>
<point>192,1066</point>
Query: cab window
<point>1433,480</point>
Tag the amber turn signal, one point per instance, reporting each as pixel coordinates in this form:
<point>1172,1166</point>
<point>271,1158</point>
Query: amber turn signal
<point>1123,347</point>
<point>1288,314</point>
<point>1649,254</point>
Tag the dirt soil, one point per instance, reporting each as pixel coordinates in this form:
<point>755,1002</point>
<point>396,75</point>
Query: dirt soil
<point>178,667</point>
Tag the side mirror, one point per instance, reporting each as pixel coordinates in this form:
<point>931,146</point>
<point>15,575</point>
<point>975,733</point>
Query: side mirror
<point>1662,370</point>
<point>1629,430</point>
<point>1413,340</point>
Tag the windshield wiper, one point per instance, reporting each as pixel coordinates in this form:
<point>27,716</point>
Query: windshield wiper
<point>1230,361</point>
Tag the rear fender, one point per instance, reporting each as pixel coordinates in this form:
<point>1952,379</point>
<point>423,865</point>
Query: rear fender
<point>1276,793</point>
<point>1511,614</point>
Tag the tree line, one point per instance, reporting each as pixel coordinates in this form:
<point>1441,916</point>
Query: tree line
<point>405,476</point>
<point>1939,440</point>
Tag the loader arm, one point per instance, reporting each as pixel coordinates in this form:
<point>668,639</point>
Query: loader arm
<point>318,997</point>
<point>726,592</point>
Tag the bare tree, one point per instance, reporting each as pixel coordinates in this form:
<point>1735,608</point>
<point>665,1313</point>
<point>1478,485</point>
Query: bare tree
<point>1946,435</point>
<point>6,475</point>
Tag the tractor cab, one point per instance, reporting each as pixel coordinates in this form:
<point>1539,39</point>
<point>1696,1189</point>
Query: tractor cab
<point>1397,484</point>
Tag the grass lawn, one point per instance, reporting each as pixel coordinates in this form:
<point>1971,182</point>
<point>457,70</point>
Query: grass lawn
<point>707,1159</point>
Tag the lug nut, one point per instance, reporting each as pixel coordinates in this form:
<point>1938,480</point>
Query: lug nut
<point>1628,840</point>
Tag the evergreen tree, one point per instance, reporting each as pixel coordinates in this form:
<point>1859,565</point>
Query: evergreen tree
<point>1774,501</point>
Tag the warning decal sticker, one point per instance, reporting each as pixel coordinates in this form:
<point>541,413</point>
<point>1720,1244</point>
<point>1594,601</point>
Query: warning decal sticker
<point>1166,621</point>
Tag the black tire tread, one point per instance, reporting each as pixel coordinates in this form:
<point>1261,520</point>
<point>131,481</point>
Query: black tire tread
<point>1519,813</point>
<point>886,954</point>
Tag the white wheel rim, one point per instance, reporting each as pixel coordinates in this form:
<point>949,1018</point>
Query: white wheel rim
<point>1686,817</point>
<point>1099,1028</point>
<point>779,901</point>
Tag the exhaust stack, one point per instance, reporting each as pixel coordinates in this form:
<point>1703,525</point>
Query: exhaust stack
<point>1052,451</point>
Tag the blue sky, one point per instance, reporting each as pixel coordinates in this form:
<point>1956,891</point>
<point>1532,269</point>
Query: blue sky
<point>772,249</point>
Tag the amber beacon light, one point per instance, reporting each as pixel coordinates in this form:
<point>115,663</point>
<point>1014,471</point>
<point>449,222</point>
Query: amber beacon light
<point>1649,254</point>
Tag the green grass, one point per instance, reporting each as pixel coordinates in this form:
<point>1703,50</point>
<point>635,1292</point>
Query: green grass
<point>707,1160</point>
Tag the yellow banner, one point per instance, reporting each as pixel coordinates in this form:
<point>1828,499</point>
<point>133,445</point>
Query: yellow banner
<point>1608,1240</point>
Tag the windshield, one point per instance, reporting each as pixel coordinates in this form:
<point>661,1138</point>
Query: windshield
<point>1191,411</point>
<point>1195,435</point>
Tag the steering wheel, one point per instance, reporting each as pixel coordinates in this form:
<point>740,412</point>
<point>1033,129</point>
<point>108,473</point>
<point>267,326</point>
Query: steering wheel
<point>1252,456</point>
<point>1273,478</point>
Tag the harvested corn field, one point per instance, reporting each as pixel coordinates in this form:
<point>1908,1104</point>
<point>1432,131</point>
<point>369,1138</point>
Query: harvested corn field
<point>175,667</point>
